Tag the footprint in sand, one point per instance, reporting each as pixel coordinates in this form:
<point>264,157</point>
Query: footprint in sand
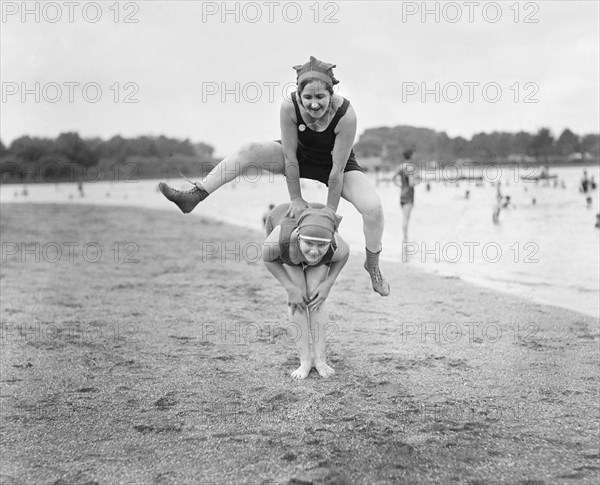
<point>166,402</point>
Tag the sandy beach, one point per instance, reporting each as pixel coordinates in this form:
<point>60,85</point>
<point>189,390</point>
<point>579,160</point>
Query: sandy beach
<point>142,346</point>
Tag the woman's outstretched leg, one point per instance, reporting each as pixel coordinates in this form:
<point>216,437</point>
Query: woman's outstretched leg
<point>360,192</point>
<point>249,160</point>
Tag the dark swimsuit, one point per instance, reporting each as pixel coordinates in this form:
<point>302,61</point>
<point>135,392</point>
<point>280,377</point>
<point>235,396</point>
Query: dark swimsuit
<point>314,152</point>
<point>407,193</point>
<point>277,218</point>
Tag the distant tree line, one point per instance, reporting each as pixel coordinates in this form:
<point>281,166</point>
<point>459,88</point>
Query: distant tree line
<point>72,158</point>
<point>542,147</point>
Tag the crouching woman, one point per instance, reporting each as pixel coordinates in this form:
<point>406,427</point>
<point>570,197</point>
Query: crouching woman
<point>306,255</point>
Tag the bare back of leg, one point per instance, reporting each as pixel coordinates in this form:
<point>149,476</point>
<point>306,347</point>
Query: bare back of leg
<point>252,157</point>
<point>361,193</point>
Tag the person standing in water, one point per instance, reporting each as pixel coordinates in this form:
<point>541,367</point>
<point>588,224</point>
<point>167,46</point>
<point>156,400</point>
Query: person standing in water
<point>318,128</point>
<point>498,206</point>
<point>407,180</point>
<point>584,185</point>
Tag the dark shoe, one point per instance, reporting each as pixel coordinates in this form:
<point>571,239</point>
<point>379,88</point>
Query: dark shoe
<point>380,285</point>
<point>185,200</point>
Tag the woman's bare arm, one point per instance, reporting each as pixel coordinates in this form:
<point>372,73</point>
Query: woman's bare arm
<point>289,142</point>
<point>345,133</point>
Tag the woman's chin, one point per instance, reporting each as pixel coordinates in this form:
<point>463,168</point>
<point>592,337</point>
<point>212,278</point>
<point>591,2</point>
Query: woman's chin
<point>316,114</point>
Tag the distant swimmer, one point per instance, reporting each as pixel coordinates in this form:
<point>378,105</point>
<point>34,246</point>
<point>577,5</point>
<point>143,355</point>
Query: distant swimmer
<point>597,220</point>
<point>584,185</point>
<point>406,177</point>
<point>507,204</point>
<point>498,206</point>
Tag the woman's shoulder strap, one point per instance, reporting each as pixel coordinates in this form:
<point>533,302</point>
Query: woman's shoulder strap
<point>341,111</point>
<point>295,101</point>
<point>287,227</point>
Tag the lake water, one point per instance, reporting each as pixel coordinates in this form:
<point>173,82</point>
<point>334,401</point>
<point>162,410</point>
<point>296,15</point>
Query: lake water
<point>548,252</point>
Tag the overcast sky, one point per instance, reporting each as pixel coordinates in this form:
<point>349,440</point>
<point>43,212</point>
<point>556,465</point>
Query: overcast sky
<point>498,66</point>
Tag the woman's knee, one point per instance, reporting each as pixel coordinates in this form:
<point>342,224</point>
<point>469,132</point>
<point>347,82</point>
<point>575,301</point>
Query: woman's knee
<point>251,150</point>
<point>371,208</point>
<point>250,153</point>
<point>361,193</point>
<point>310,288</point>
<point>315,276</point>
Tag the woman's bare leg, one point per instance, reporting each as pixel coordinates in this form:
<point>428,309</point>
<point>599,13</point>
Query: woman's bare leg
<point>406,210</point>
<point>319,321</point>
<point>360,192</point>
<point>299,325</point>
<point>250,159</point>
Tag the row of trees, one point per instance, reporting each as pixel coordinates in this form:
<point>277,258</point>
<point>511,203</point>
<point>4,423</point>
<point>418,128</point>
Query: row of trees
<point>71,158</point>
<point>389,143</point>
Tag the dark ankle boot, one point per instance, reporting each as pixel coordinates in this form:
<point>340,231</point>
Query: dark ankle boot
<point>185,200</point>
<point>380,285</point>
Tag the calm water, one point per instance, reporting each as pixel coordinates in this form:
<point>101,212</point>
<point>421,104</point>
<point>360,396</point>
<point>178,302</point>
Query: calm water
<point>546,252</point>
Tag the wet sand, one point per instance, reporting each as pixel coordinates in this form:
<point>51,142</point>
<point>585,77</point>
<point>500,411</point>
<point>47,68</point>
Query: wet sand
<point>175,368</point>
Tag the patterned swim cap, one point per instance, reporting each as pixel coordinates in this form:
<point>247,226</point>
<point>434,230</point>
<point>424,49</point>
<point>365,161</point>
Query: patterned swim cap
<point>317,69</point>
<point>318,224</point>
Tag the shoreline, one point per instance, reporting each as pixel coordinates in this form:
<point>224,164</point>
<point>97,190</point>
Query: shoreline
<point>443,273</point>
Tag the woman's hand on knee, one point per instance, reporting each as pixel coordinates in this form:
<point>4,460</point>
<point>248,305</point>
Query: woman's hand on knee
<point>319,296</point>
<point>296,299</point>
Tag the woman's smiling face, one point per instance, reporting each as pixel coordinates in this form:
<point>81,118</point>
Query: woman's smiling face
<point>315,99</point>
<point>312,251</point>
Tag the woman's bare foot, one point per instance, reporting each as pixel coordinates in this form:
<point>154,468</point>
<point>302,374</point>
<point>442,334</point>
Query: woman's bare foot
<point>302,371</point>
<point>323,369</point>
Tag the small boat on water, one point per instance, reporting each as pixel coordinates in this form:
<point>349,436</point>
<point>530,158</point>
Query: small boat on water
<point>469,178</point>
<point>543,176</point>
